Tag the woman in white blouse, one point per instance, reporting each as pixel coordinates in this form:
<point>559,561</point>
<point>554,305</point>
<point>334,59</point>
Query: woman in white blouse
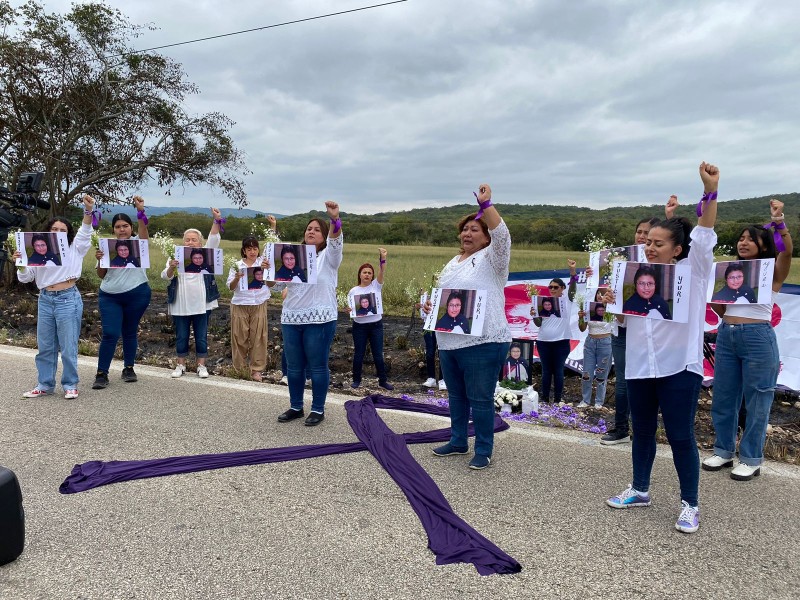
<point>470,363</point>
<point>308,320</point>
<point>664,361</point>
<point>191,298</point>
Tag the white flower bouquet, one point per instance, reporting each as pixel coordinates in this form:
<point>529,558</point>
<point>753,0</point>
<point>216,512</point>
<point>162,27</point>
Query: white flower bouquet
<point>503,396</point>
<point>264,233</point>
<point>163,242</point>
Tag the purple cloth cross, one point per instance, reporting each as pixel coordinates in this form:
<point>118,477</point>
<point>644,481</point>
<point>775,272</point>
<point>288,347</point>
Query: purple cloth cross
<point>450,538</point>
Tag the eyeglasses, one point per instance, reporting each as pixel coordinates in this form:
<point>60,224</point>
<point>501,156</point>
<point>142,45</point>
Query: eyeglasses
<point>735,277</point>
<point>454,305</point>
<point>645,284</point>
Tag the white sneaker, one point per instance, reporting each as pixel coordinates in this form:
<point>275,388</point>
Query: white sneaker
<point>179,371</point>
<point>285,380</point>
<point>202,372</point>
<point>71,394</point>
<point>36,393</point>
<point>582,405</point>
<point>744,472</point>
<point>715,463</point>
<point>430,382</point>
<point>442,385</point>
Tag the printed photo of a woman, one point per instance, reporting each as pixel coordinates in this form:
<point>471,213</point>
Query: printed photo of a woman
<point>290,266</point>
<point>735,290</point>
<point>125,257</point>
<point>365,308</point>
<point>454,319</point>
<point>257,281</point>
<point>41,255</point>
<point>646,301</point>
<point>198,262</point>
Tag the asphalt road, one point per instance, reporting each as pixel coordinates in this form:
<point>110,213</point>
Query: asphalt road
<point>338,527</point>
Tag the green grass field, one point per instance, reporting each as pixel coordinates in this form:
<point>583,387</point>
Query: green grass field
<point>408,268</point>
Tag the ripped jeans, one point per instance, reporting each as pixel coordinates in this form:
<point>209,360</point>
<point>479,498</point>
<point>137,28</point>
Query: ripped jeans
<point>596,365</point>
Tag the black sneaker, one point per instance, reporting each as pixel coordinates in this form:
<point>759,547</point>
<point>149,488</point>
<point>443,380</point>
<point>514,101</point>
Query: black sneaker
<point>100,381</point>
<point>615,437</point>
<point>128,375</point>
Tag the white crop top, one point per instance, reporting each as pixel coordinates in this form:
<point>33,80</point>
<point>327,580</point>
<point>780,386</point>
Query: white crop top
<point>762,312</point>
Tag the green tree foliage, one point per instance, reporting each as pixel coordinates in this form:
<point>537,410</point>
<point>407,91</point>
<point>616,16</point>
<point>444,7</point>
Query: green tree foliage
<point>96,118</point>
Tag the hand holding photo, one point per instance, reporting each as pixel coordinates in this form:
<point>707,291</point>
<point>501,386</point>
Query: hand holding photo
<point>544,307</point>
<point>202,261</point>
<point>654,291</point>
<point>294,263</point>
<point>124,254</point>
<point>742,282</point>
<point>365,305</point>
<point>41,249</point>
<point>457,311</point>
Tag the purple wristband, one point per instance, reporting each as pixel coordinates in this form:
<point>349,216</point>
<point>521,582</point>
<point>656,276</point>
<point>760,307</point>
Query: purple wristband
<point>383,261</point>
<point>337,225</point>
<point>483,206</point>
<point>574,278</point>
<point>779,245</point>
<point>96,217</point>
<point>142,217</point>
<point>707,197</point>
<point>221,222</point>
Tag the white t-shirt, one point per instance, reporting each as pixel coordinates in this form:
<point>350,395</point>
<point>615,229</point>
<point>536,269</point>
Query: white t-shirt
<point>373,288</point>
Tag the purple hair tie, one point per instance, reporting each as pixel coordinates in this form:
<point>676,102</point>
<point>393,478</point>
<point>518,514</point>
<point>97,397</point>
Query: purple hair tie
<point>779,245</point>
<point>483,206</point>
<point>221,222</point>
<point>707,197</point>
<point>142,217</point>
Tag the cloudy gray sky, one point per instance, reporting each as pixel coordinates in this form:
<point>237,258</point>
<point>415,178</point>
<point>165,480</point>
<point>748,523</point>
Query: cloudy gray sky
<point>594,103</point>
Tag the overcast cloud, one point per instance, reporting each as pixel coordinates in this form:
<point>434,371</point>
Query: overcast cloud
<point>594,103</point>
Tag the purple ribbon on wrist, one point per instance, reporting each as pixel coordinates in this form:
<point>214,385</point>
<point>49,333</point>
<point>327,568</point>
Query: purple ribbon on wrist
<point>221,222</point>
<point>96,217</point>
<point>337,225</point>
<point>142,217</point>
<point>382,261</point>
<point>483,206</point>
<point>776,227</point>
<point>707,197</point>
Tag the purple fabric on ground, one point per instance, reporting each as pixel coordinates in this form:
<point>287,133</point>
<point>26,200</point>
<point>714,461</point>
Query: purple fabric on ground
<point>449,537</point>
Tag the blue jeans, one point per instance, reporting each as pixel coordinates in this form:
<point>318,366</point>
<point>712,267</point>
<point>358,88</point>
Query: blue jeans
<point>199,323</point>
<point>553,356</point>
<point>58,326</point>
<point>676,395</point>
<point>622,411</point>
<point>430,355</point>
<point>307,347</point>
<point>747,362</point>
<point>596,365</point>
<point>372,333</point>
<point>120,315</point>
<point>471,374</point>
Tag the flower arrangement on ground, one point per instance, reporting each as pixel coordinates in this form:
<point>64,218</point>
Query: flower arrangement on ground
<point>503,396</point>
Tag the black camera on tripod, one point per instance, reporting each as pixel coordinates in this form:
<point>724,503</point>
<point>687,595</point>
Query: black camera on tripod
<point>15,206</point>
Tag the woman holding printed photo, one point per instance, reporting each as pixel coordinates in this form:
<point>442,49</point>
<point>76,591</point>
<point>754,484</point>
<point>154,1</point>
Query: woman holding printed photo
<point>555,334</point>
<point>41,255</point>
<point>596,352</point>
<point>664,361</point>
<point>308,320</point>
<point>746,359</point>
<point>124,296</point>
<point>470,364</point>
<point>191,297</point>
<point>60,308</point>
<point>646,300</point>
<point>367,326</point>
<point>735,290</point>
<point>249,310</point>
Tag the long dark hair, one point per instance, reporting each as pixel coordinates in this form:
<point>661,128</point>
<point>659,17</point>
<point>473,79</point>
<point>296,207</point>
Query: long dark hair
<point>70,229</point>
<point>679,229</point>
<point>763,239</point>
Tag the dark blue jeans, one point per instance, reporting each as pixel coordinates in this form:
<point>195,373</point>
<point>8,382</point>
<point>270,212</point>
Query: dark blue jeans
<point>676,395</point>
<point>199,323</point>
<point>120,315</point>
<point>553,356</point>
<point>308,347</point>
<point>622,410</point>
<point>430,355</point>
<point>471,374</point>
<point>372,333</point>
